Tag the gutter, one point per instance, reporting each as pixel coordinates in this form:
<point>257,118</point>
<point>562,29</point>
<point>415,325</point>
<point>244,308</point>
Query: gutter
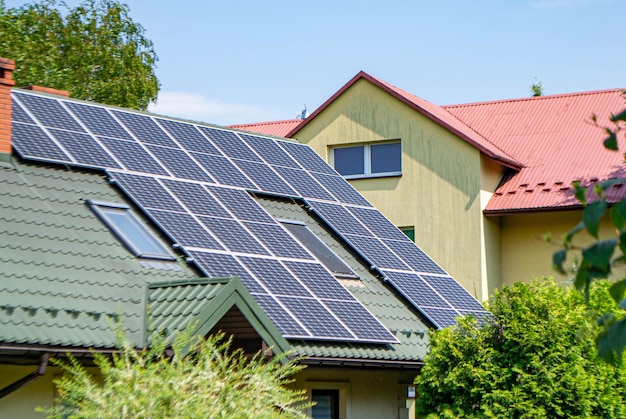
<point>362,363</point>
<point>43,364</point>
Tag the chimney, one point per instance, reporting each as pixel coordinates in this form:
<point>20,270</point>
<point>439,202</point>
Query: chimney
<point>6,83</point>
<point>48,90</point>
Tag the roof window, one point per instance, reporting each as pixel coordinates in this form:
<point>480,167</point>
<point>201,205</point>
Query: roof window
<point>130,231</point>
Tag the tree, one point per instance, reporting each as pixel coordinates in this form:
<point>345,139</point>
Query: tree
<point>597,260</point>
<point>536,88</point>
<point>95,51</point>
<point>197,379</point>
<point>535,358</point>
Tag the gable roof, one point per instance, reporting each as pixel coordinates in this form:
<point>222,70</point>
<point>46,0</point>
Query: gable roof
<point>275,128</point>
<point>557,142</point>
<point>429,110</point>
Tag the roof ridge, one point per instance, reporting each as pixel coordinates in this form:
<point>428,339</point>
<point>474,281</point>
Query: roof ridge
<point>189,281</point>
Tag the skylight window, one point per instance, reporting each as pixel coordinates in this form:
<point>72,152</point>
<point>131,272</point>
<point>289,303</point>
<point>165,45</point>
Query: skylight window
<point>326,256</point>
<point>130,231</point>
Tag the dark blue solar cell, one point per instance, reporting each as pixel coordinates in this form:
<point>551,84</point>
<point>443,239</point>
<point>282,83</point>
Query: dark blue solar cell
<point>179,164</point>
<point>147,192</point>
<point>233,235</point>
<point>316,318</point>
<point>378,224</point>
<point>32,141</point>
<point>184,229</point>
<point>197,199</point>
<point>278,241</point>
<point>49,112</point>
<point>376,252</point>
<point>133,156</point>
<point>360,321</point>
<point>84,149</point>
<point>441,317</point>
<point>144,129</point>
<point>188,136</point>
<point>223,170</point>
<point>242,205</point>
<point>230,144</point>
<point>265,178</point>
<point>341,189</point>
<point>269,151</point>
<point>414,256</point>
<point>219,265</point>
<point>307,158</point>
<point>319,281</point>
<point>275,277</point>
<point>18,114</point>
<point>284,321</point>
<point>416,290</point>
<point>303,183</point>
<point>99,121</point>
<point>453,292</point>
<point>340,218</point>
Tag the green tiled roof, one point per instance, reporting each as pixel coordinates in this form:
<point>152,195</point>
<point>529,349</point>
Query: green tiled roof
<point>64,277</point>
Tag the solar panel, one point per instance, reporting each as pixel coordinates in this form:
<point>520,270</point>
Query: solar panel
<point>340,218</point>
<point>341,189</point>
<point>303,183</point>
<point>133,156</point>
<point>18,114</point>
<point>458,297</point>
<point>219,265</point>
<point>415,289</point>
<point>231,145</point>
<point>223,171</point>
<point>269,151</point>
<point>184,229</point>
<point>414,256</point>
<point>147,192</point>
<point>378,224</point>
<point>318,280</point>
<point>284,320</point>
<point>179,164</point>
<point>307,158</point>
<point>266,179</point>
<point>233,235</point>
<point>32,141</point>
<point>196,198</point>
<point>360,321</point>
<point>188,136</point>
<point>84,149</point>
<point>240,204</point>
<point>274,277</point>
<point>440,316</point>
<point>376,252</point>
<point>144,128</point>
<point>49,112</point>
<point>99,121</point>
<point>316,318</point>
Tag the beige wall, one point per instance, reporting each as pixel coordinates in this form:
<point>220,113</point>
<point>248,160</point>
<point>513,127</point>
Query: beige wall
<point>439,191</point>
<point>367,394</point>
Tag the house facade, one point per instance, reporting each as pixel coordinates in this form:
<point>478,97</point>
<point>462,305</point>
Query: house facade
<point>478,185</point>
<point>110,215</point>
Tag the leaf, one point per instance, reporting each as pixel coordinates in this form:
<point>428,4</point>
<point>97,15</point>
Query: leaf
<point>618,215</point>
<point>557,260</point>
<point>611,141</point>
<point>612,341</point>
<point>580,192</point>
<point>568,237</point>
<point>592,215</point>
<point>617,291</point>
<point>598,255</point>
<point>619,117</point>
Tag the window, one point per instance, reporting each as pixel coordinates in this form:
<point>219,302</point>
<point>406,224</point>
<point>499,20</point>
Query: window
<point>326,404</point>
<point>130,230</point>
<point>319,249</point>
<point>368,160</point>
<point>409,231</point>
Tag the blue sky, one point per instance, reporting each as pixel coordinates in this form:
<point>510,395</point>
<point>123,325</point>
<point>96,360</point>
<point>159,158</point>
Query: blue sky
<point>228,62</point>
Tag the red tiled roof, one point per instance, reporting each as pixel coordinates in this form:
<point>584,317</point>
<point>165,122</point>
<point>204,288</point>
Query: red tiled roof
<point>275,128</point>
<point>557,143</point>
<point>434,112</point>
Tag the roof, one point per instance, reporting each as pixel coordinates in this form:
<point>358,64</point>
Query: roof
<point>203,188</point>
<point>557,143</point>
<point>275,128</point>
<point>429,110</point>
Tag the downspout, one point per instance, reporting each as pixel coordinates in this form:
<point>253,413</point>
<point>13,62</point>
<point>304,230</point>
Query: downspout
<point>43,363</point>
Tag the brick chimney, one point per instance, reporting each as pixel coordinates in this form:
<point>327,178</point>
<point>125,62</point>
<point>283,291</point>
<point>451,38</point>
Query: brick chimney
<point>6,83</point>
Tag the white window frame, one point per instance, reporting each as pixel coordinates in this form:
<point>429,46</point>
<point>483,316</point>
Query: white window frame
<point>367,157</point>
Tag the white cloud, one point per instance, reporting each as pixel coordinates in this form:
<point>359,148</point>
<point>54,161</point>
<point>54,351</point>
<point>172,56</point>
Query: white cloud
<point>196,107</point>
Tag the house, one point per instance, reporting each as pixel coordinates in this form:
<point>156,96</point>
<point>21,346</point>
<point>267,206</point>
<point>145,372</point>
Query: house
<point>108,215</point>
<point>477,185</point>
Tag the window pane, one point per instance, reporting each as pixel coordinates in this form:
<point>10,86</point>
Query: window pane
<point>327,404</point>
<point>409,231</point>
<point>386,158</point>
<point>349,160</point>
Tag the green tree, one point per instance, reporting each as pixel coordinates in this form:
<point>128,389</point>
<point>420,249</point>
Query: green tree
<point>196,379</point>
<point>94,50</point>
<point>536,88</point>
<point>597,260</point>
<point>535,358</point>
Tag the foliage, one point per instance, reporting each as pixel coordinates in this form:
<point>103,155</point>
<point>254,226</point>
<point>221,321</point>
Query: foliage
<point>209,382</point>
<point>536,88</point>
<point>535,358</point>
<point>597,260</point>
<point>95,51</point>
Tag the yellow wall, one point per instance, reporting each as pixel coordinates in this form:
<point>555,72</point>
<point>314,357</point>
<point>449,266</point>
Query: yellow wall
<point>439,191</point>
<point>371,394</point>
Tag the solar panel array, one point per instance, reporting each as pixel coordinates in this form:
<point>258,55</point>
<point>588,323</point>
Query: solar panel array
<point>193,181</point>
